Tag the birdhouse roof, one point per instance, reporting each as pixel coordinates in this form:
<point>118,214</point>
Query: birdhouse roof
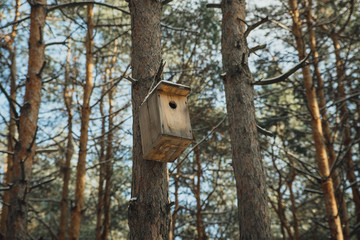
<point>172,88</point>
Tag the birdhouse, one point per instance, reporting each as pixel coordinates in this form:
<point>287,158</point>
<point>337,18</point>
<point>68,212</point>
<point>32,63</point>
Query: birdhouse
<point>165,122</point>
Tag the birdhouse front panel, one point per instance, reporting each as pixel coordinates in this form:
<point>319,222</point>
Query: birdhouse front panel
<point>174,115</point>
<point>165,122</point>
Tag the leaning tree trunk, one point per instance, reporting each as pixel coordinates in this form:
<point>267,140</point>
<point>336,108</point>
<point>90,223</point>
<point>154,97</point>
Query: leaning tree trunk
<point>249,173</point>
<point>25,147</point>
<point>76,213</point>
<point>149,210</point>
<point>12,122</point>
<point>320,147</point>
<point>65,168</point>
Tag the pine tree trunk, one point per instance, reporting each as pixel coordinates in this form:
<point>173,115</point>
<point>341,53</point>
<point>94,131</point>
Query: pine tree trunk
<point>293,202</point>
<point>100,204</point>
<point>347,142</point>
<point>76,213</point>
<point>321,152</point>
<point>149,210</point>
<point>176,202</point>
<point>66,169</point>
<point>25,147</point>
<point>12,122</point>
<point>199,218</point>
<point>109,153</point>
<point>326,126</point>
<point>249,173</point>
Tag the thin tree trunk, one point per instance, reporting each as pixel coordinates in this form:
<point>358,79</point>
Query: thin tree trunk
<point>66,169</point>
<point>12,122</point>
<point>100,205</point>
<point>25,147</point>
<point>293,202</point>
<point>176,203</point>
<point>199,218</point>
<point>321,153</point>
<point>149,210</point>
<point>249,173</point>
<point>347,142</point>
<point>326,126</point>
<point>76,213</point>
<point>280,210</point>
<point>109,152</point>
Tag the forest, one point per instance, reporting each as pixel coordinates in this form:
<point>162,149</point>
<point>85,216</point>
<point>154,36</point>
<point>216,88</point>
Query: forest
<point>274,110</point>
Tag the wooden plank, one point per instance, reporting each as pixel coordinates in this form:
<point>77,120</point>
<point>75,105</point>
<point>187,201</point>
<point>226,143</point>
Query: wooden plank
<point>174,116</point>
<point>168,149</point>
<point>149,124</point>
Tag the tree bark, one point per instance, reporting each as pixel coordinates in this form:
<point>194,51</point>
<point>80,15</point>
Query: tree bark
<point>149,210</point>
<point>321,153</point>
<point>25,147</point>
<point>347,142</point>
<point>293,202</point>
<point>66,169</point>
<point>12,122</point>
<point>100,204</point>
<point>199,218</point>
<point>249,174</point>
<point>176,202</point>
<point>326,126</point>
<point>76,213</point>
<point>109,152</point>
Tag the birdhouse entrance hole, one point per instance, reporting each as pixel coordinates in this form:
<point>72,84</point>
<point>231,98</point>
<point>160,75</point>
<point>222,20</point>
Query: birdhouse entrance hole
<point>172,104</point>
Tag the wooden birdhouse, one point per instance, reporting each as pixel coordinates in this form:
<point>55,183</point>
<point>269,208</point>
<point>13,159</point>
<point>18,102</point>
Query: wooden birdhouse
<point>165,122</point>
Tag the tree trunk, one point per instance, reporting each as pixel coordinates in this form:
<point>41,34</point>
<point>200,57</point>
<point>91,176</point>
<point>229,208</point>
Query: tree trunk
<point>199,218</point>
<point>249,174</point>
<point>25,147</point>
<point>100,204</point>
<point>66,168</point>
<point>109,152</point>
<point>326,126</point>
<point>12,122</point>
<point>321,153</point>
<point>176,202</point>
<point>76,213</point>
<point>149,210</point>
<point>347,142</point>
<point>293,202</point>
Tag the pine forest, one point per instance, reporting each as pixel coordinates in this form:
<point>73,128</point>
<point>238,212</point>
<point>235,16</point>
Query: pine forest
<point>172,120</point>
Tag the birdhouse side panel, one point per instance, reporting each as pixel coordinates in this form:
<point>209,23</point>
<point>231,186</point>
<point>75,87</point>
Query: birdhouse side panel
<point>174,116</point>
<point>150,124</point>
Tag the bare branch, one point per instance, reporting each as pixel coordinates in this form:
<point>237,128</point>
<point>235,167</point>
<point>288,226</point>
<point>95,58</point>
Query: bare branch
<point>255,25</point>
<point>15,22</point>
<point>197,144</point>
<point>264,131</point>
<point>258,47</point>
<point>74,4</point>
<point>166,2</point>
<point>111,87</point>
<point>10,100</point>
<point>280,25</point>
<point>213,5</point>
<point>7,152</point>
<point>284,76</point>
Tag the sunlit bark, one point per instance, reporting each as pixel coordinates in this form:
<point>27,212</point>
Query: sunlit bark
<point>316,126</point>
<point>76,213</point>
<point>25,147</point>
